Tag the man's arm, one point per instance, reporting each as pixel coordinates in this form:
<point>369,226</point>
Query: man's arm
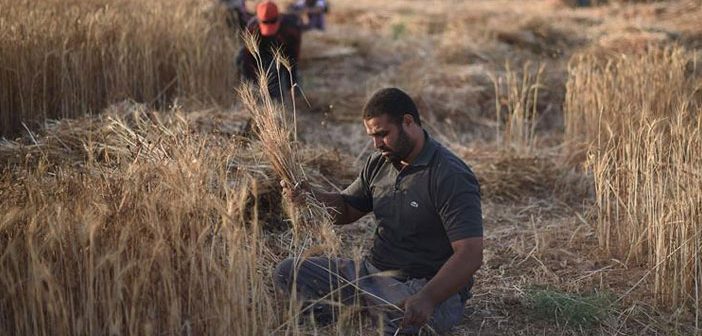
<point>452,276</point>
<point>342,212</point>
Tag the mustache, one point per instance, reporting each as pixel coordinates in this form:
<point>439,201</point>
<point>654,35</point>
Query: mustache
<point>383,149</point>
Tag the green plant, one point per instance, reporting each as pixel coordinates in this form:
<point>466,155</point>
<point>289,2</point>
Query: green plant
<point>575,310</point>
<point>398,30</point>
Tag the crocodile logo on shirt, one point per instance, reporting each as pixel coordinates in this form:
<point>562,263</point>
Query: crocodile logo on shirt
<point>414,204</point>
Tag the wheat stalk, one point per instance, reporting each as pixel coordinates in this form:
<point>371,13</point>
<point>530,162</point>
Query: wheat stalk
<point>277,138</point>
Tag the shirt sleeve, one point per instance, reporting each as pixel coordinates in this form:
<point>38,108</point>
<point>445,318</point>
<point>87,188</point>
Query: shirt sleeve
<point>358,193</point>
<point>457,200</point>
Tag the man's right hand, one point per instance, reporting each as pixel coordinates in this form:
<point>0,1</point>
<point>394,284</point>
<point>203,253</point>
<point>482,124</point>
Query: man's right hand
<point>295,194</point>
<point>334,202</point>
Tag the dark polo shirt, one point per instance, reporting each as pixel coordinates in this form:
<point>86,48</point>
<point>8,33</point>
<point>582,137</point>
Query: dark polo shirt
<point>419,210</point>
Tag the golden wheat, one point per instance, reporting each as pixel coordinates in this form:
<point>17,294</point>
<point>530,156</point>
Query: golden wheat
<point>642,117</point>
<point>70,58</point>
<point>519,98</point>
<point>147,239</point>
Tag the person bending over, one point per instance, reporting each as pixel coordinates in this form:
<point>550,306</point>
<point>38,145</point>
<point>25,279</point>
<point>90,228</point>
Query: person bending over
<point>274,31</point>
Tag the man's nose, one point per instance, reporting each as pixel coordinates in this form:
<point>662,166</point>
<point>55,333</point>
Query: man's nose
<point>377,142</point>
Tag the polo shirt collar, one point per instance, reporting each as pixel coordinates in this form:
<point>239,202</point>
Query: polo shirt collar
<point>427,152</point>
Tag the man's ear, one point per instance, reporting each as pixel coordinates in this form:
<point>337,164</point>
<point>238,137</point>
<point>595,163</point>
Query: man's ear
<point>407,120</point>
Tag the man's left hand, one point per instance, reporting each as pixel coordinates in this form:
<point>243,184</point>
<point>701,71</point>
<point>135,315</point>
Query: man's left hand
<point>418,310</point>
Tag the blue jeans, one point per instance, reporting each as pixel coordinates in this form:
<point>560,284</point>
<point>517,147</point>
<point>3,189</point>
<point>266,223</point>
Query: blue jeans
<point>349,282</point>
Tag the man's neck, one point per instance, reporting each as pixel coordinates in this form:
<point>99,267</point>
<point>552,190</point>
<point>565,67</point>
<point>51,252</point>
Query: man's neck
<point>418,146</point>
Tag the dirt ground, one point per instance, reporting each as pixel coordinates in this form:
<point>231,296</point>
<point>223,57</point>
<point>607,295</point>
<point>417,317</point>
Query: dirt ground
<point>537,205</point>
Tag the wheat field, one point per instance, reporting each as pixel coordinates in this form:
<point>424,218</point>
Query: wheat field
<point>70,58</point>
<point>140,190</point>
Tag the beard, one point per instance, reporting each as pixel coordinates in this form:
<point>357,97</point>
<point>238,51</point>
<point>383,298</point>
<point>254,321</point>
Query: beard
<point>401,148</point>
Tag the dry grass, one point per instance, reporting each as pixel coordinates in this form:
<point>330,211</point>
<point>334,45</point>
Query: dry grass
<point>150,237</point>
<point>516,102</point>
<point>138,225</point>
<point>641,115</point>
<point>71,58</point>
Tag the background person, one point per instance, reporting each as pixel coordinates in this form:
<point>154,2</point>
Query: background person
<point>275,31</point>
<point>313,11</point>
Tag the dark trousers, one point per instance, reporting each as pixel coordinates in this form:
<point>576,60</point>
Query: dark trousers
<point>279,78</point>
<point>338,280</point>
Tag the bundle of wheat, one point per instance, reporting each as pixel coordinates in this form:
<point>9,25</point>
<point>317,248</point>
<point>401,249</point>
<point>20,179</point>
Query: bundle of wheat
<point>278,134</point>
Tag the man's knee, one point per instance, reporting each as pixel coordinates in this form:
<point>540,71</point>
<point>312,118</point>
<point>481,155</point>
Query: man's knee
<point>283,274</point>
<point>314,276</point>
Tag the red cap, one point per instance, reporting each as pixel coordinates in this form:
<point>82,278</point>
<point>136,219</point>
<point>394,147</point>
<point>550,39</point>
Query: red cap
<point>268,20</point>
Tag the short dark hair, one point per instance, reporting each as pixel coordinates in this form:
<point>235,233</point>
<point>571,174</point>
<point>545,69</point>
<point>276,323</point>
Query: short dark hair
<point>392,102</point>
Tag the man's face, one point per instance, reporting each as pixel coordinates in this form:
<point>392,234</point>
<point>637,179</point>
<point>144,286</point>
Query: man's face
<point>389,138</point>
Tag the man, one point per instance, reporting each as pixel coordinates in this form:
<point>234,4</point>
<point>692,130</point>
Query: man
<point>314,10</point>
<point>275,31</point>
<point>426,203</point>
